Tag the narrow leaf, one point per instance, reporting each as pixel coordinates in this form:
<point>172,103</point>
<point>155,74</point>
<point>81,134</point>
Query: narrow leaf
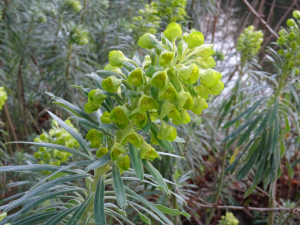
<point>99,212</point>
<point>136,162</point>
<point>100,162</point>
<point>119,187</point>
<point>58,218</point>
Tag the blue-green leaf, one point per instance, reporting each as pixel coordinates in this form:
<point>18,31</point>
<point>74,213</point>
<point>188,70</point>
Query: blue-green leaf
<point>80,210</point>
<point>99,212</point>
<point>100,162</point>
<point>119,187</point>
<point>58,218</point>
<point>136,162</point>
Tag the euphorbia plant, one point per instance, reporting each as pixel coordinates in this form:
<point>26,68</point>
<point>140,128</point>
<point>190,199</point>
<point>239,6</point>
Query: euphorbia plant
<point>134,105</point>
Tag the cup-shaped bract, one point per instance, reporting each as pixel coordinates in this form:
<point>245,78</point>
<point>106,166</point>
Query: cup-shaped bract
<point>90,107</point>
<point>201,91</point>
<point>147,103</point>
<point>166,108</point>
<point>205,50</point>
<point>139,118</point>
<point>123,162</point>
<point>105,118</point>
<point>173,31</point>
<point>296,14</point>
<point>199,105</point>
<point>207,62</point>
<point>167,132</point>
<point>194,39</point>
<point>136,77</point>
<point>148,152</point>
<point>165,58</point>
<point>120,116</point>
<point>209,77</point>
<point>101,152</point>
<point>128,134</point>
<point>111,68</point>
<point>117,58</point>
<point>159,79</point>
<point>217,89</point>
<point>147,41</point>
<point>185,101</point>
<point>96,97</point>
<point>189,74</point>
<point>111,84</point>
<point>95,137</point>
<point>116,150</point>
<point>184,118</point>
<point>168,92</point>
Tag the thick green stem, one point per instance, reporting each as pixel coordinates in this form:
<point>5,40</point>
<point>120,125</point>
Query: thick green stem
<point>93,187</point>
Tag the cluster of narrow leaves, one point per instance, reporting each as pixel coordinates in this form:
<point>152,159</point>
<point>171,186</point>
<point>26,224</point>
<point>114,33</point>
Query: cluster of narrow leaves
<point>261,135</point>
<point>133,108</point>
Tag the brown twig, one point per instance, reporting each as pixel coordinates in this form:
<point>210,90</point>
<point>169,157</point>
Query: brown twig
<point>296,4</point>
<point>270,13</point>
<point>260,19</point>
<point>259,11</point>
<point>278,6</point>
<point>11,125</point>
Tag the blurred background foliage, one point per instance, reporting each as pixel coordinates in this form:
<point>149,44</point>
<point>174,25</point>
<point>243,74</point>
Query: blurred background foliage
<point>48,46</point>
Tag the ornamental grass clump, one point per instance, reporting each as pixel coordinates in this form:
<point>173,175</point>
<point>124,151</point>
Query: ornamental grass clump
<point>133,107</point>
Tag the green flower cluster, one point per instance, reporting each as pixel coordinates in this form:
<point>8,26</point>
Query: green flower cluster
<point>56,135</point>
<point>228,219</point>
<point>79,35</point>
<point>289,42</point>
<point>171,11</point>
<point>145,21</point>
<point>3,97</point>
<point>249,43</point>
<point>176,77</point>
<point>74,5</point>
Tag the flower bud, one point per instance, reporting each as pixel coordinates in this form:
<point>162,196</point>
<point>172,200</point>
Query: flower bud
<point>117,58</point>
<point>290,22</point>
<point>185,101</point>
<point>173,31</point>
<point>296,14</point>
<point>63,157</point>
<point>201,91</point>
<point>147,41</point>
<point>46,156</point>
<point>168,92</point>
<point>167,132</point>
<point>159,79</point>
<point>44,137</point>
<point>123,162</point>
<point>199,105</point>
<point>111,84</point>
<point>96,97</point>
<point>147,103</point>
<point>153,140</point>
<point>194,39</point>
<point>148,152</point>
<point>296,71</point>
<point>101,152</point>
<point>204,50</point>
<point>292,35</point>
<point>294,45</point>
<point>116,150</point>
<point>165,58</point>
<point>95,137</point>
<point>209,77</point>
<point>119,115</point>
<point>139,118</point>
<point>136,77</point>
<point>189,74</point>
<point>206,63</point>
<point>128,134</point>
<point>42,149</point>
<point>38,155</point>
<point>184,118</point>
<point>105,118</point>
<point>217,89</point>
<point>111,68</point>
<point>280,40</point>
